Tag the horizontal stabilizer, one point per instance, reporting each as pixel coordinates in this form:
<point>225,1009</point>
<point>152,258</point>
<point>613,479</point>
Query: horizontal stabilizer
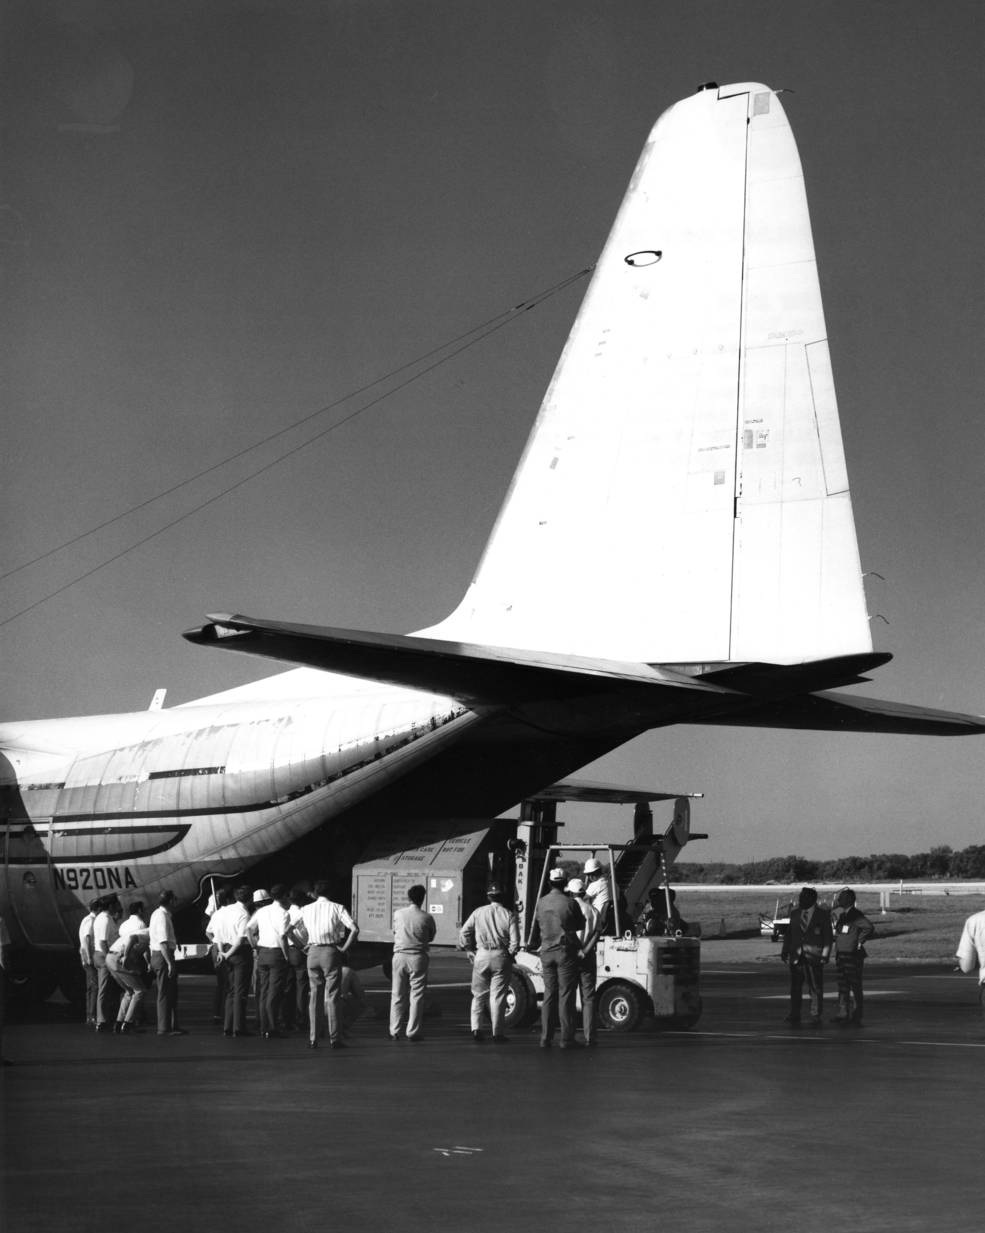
<point>586,792</point>
<point>830,712</point>
<point>479,676</point>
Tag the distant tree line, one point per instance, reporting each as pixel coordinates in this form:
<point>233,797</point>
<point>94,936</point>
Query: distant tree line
<point>939,862</point>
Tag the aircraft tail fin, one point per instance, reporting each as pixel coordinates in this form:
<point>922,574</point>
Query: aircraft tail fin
<point>683,496</point>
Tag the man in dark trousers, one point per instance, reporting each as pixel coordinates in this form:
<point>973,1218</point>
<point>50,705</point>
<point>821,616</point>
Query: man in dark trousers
<point>852,929</point>
<point>558,921</point>
<point>807,948</point>
<point>413,933</point>
<point>163,945</point>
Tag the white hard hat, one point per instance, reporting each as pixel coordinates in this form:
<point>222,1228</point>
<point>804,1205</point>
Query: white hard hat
<point>260,896</point>
<point>557,875</point>
<point>576,886</point>
<point>592,866</point>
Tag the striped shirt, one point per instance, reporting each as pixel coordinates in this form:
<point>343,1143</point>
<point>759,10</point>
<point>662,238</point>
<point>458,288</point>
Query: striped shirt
<point>325,923</point>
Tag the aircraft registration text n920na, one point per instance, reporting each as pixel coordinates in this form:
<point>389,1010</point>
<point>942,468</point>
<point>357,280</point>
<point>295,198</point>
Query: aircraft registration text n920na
<point>688,444</point>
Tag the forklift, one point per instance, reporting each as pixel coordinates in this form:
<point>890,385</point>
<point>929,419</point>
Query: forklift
<point>640,976</point>
<point>455,859</point>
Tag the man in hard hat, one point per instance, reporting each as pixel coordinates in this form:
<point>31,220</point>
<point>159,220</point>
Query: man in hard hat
<point>599,894</point>
<point>490,937</point>
<point>267,933</point>
<point>587,966</point>
<point>558,921</point>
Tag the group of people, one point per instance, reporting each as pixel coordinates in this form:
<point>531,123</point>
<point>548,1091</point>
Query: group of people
<point>290,947</point>
<point>123,957</point>
<point>814,934</point>
<point>568,922</point>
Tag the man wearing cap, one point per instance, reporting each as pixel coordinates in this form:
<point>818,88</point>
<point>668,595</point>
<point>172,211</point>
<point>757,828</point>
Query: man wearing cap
<point>971,952</point>
<point>852,930</point>
<point>413,933</point>
<point>490,937</point>
<point>599,894</point>
<point>327,931</point>
<point>558,921</point>
<point>807,948</point>
<point>267,931</point>
<point>587,966</point>
<point>228,930</point>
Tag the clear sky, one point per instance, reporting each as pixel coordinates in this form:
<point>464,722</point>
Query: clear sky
<point>218,218</point>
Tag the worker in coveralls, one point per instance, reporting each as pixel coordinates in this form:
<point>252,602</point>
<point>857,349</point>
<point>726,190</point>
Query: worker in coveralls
<point>852,929</point>
<point>490,937</point>
<point>558,921</point>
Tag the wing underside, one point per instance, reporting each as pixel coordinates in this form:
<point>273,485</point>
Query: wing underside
<point>545,687</point>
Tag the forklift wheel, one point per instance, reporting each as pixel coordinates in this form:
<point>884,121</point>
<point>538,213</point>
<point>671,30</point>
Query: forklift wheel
<point>620,1007</point>
<point>521,1001</point>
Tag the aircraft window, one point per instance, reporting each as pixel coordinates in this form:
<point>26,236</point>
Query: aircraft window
<point>187,770</point>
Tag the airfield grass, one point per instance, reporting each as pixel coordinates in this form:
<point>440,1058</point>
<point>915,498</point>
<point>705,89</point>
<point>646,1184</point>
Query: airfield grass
<point>914,928</point>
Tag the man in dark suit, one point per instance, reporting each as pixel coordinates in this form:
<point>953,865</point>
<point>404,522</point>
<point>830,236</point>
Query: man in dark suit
<point>807,948</point>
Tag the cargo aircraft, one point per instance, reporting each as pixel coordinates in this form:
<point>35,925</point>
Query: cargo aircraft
<point>677,546</point>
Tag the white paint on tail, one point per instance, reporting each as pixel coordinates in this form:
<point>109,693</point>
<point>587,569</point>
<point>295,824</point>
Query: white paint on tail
<point>683,496</point>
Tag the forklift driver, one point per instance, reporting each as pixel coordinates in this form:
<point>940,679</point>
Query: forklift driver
<point>600,896</point>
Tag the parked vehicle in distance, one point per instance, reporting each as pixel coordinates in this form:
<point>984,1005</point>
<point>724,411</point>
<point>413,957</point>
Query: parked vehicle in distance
<point>775,925</point>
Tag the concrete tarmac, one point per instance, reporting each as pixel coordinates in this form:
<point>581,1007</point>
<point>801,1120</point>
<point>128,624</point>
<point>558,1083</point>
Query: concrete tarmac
<point>739,1124</point>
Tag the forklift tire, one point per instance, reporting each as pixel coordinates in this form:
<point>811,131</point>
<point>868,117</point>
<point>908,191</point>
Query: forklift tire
<point>621,1006</point>
<point>521,1001</point>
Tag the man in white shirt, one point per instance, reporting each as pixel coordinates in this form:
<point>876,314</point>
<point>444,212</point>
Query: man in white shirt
<point>326,931</point>
<point>228,930</point>
<point>413,933</point>
<point>599,894</point>
<point>86,959</point>
<point>127,961</point>
<point>267,932</point>
<point>163,945</point>
<point>971,952</point>
<point>105,931</point>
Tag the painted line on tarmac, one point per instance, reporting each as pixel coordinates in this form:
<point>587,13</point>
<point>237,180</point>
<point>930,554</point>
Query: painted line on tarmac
<point>731,971</point>
<point>869,993</point>
<point>944,1044</point>
<point>815,1036</point>
<point>940,976</point>
<point>810,1035</point>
